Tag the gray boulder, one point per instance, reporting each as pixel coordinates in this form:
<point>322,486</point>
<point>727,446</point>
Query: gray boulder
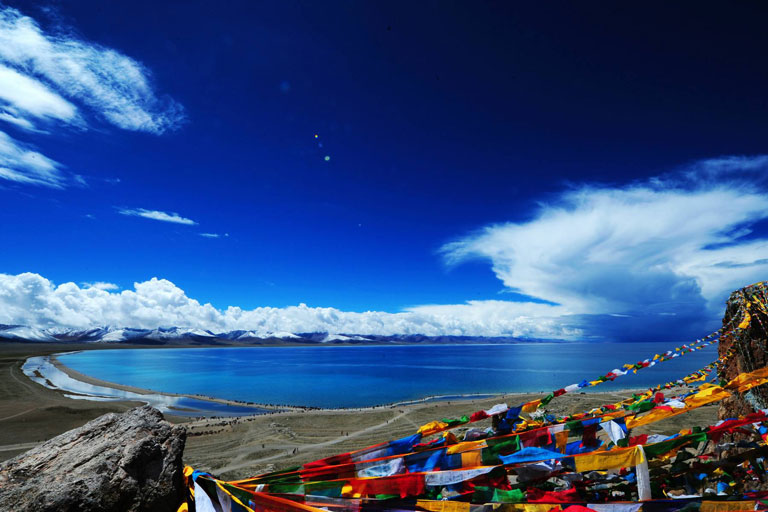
<point>126,462</point>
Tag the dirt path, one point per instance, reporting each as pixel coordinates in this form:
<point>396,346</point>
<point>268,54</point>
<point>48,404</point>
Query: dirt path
<point>23,380</point>
<point>18,414</point>
<point>307,450</point>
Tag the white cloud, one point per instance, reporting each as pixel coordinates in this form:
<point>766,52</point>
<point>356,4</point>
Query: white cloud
<point>38,70</point>
<point>22,164</point>
<point>727,166</point>
<point>214,235</point>
<point>30,299</point>
<point>22,94</point>
<point>674,244</point>
<point>157,215</point>
<point>101,285</point>
<point>18,121</point>
<point>48,78</point>
<point>499,318</point>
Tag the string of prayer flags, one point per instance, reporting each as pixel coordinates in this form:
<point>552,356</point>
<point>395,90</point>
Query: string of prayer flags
<point>584,462</point>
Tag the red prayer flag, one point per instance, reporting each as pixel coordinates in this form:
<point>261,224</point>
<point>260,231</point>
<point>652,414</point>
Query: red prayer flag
<point>534,495</point>
<point>477,416</point>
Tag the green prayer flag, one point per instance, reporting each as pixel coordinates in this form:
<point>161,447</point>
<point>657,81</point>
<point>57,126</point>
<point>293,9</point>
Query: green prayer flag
<point>513,496</point>
<point>547,399</point>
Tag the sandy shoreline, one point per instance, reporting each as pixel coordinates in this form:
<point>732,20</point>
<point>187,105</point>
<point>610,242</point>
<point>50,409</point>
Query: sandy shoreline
<point>237,447</point>
<point>142,391</point>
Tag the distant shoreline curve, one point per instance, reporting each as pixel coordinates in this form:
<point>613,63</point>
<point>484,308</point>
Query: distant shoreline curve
<point>270,408</point>
<point>263,408</point>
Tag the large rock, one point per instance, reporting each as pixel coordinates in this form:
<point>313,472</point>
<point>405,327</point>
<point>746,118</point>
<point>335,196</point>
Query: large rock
<point>750,344</point>
<point>125,462</point>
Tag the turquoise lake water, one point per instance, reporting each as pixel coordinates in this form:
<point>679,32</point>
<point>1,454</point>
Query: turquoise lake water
<point>356,376</point>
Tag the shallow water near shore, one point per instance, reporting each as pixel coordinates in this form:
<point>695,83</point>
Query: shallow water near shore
<point>41,370</point>
<point>362,376</point>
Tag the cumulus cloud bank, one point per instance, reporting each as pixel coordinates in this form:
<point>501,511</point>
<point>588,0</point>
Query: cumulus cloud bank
<point>671,246</point>
<point>30,299</point>
<point>48,78</point>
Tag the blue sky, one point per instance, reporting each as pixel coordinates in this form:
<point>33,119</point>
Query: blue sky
<point>383,157</point>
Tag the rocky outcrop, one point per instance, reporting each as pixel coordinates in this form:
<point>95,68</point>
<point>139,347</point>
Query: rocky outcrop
<point>126,462</point>
<point>750,347</point>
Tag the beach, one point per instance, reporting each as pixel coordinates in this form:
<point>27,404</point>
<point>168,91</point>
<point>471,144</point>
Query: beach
<point>238,447</point>
<point>31,413</point>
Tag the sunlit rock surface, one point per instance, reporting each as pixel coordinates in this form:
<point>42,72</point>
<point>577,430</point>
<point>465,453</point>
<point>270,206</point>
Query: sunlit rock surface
<point>117,462</point>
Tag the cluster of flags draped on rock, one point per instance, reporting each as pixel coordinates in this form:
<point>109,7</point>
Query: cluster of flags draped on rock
<point>531,460</point>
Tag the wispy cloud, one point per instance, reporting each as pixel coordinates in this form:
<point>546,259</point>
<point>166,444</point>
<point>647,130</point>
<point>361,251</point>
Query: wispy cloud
<point>22,164</point>
<point>25,97</point>
<point>214,235</point>
<point>157,215</point>
<point>39,70</point>
<point>676,244</point>
<point>58,79</point>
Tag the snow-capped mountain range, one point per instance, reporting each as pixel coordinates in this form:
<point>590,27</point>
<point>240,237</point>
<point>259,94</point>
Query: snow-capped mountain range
<point>109,334</point>
<point>180,335</point>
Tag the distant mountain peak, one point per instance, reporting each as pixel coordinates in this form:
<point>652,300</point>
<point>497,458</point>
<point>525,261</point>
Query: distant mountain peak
<point>196,336</point>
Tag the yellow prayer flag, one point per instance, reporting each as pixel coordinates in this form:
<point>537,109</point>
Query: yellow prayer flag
<point>726,506</point>
<point>613,459</point>
<point>746,381</point>
<point>561,439</point>
<point>450,438</point>
<point>612,415</point>
<point>531,406</point>
<point>528,507</point>
<point>465,447</point>
<point>706,395</point>
<point>747,318</point>
<point>443,506</point>
<point>669,454</point>
<point>471,459</point>
<point>347,491</point>
<point>432,427</point>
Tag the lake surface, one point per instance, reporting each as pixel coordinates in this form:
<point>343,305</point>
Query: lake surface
<point>357,376</point>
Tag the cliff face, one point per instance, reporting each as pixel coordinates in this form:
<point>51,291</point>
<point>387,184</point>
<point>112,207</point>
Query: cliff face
<point>750,347</point>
